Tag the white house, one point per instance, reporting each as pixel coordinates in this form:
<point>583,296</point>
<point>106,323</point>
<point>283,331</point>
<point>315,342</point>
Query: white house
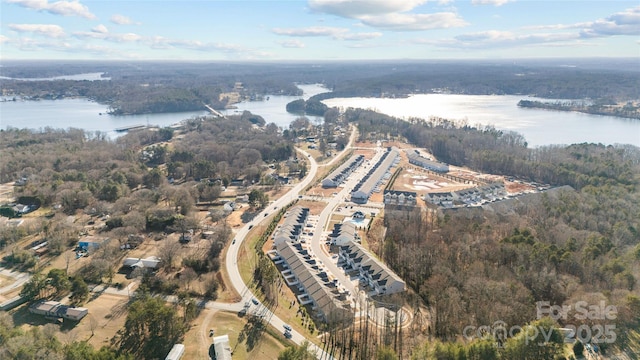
<point>369,182</point>
<point>344,233</point>
<point>374,273</point>
<point>418,160</point>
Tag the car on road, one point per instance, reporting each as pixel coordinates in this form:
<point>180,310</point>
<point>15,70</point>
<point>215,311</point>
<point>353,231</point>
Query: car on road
<point>275,208</point>
<point>287,334</point>
<point>255,301</point>
<point>210,332</point>
<point>250,226</point>
<point>233,242</point>
<point>287,327</point>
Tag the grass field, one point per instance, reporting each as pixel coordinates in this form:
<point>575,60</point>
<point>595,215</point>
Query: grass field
<point>245,340</point>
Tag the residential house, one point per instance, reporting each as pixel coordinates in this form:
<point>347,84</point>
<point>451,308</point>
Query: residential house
<point>339,175</point>
<point>416,159</point>
<point>372,272</point>
<point>376,175</point>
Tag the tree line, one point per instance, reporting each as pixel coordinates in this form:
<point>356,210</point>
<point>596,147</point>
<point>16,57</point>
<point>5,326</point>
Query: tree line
<point>476,267</point>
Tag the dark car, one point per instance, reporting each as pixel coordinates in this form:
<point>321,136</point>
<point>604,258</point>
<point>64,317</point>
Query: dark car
<point>287,335</point>
<point>233,242</point>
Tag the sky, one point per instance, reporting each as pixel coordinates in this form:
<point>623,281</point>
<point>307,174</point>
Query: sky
<point>312,30</point>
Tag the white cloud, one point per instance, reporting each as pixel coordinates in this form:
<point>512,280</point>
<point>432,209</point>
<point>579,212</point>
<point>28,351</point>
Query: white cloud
<point>48,30</point>
<point>359,36</point>
<point>101,32</point>
<point>122,20</point>
<point>100,29</point>
<point>310,31</point>
<point>292,44</point>
<point>490,2</point>
<point>3,39</point>
<point>322,31</point>
<point>413,22</point>
<point>390,14</point>
<point>65,8</point>
<point>357,8</point>
<point>622,23</point>
<point>162,43</point>
<point>626,22</point>
<point>504,39</point>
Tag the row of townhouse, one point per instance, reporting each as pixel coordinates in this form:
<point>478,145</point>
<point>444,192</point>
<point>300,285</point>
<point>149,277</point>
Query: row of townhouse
<point>311,279</point>
<point>301,270</point>
<point>416,159</point>
<point>403,198</point>
<point>374,273</point>
<point>374,177</point>
<point>344,233</point>
<point>489,192</point>
<point>293,224</point>
<point>339,175</point>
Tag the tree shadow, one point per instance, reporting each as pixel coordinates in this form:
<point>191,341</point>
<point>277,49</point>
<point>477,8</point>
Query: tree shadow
<point>247,216</point>
<point>252,332</point>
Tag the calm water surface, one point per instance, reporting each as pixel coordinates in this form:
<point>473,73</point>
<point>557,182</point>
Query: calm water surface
<point>84,114</point>
<point>538,126</point>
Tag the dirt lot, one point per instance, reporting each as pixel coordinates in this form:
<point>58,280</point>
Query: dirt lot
<point>107,314</point>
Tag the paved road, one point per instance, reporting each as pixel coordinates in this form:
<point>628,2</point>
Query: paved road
<point>319,236</point>
<point>20,279</point>
<point>232,254</point>
<point>231,261</point>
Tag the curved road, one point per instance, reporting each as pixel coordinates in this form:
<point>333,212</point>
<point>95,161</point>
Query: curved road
<point>232,253</point>
<point>232,256</point>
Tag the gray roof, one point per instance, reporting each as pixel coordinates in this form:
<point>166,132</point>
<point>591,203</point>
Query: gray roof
<point>338,175</point>
<point>305,269</point>
<point>345,228</point>
<point>368,183</point>
<point>423,161</point>
<point>377,270</point>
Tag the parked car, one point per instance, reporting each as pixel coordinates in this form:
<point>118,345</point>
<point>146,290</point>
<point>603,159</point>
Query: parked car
<point>255,301</point>
<point>287,327</point>
<point>287,335</point>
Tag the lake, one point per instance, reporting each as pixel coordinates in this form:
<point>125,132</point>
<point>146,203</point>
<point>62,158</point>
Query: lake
<point>85,114</point>
<point>538,126</point>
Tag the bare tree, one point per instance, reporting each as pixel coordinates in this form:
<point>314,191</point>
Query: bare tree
<point>188,275</point>
<point>168,253</point>
<point>93,324</point>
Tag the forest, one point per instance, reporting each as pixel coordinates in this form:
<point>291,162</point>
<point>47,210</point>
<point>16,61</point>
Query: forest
<point>151,87</point>
<point>628,110</point>
<point>474,267</point>
<point>145,184</point>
